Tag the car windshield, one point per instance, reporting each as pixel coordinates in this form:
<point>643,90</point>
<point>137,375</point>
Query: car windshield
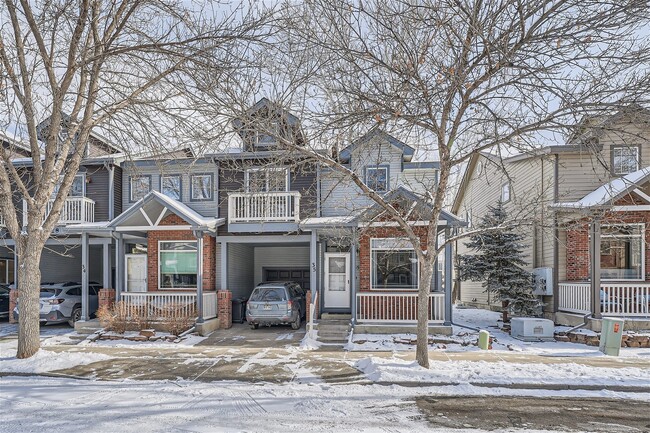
<point>268,294</point>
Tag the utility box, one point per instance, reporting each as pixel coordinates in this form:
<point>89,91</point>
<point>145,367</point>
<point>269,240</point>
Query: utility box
<point>532,329</point>
<point>611,336</point>
<point>543,281</point>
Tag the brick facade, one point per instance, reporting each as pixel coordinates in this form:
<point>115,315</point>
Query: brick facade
<point>154,236</point>
<point>364,248</point>
<point>577,257</point>
<point>224,308</point>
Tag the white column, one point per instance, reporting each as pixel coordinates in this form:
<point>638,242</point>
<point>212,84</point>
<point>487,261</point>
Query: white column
<point>84,277</point>
<point>199,276</point>
<point>313,280</point>
<point>594,258</point>
<point>224,265</point>
<point>106,265</point>
<point>119,266</point>
<point>448,277</point>
<point>353,276</point>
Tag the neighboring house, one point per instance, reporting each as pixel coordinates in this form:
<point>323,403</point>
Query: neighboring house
<point>600,178</point>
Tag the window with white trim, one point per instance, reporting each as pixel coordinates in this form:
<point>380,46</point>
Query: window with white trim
<point>394,265</point>
<point>171,186</point>
<point>625,159</point>
<point>177,264</point>
<point>139,187</point>
<point>78,188</point>
<point>267,179</point>
<point>506,192</point>
<point>622,252</point>
<point>377,178</point>
<point>201,188</point>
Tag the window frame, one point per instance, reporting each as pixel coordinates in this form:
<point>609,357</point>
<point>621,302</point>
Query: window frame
<point>407,247</point>
<point>266,171</point>
<point>641,235</point>
<point>133,177</point>
<point>81,175</point>
<point>384,167</point>
<point>160,250</point>
<point>613,157</point>
<point>506,186</point>
<point>212,186</point>
<point>180,185</point>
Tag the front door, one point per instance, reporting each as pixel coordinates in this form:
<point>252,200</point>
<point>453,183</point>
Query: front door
<point>337,281</point>
<point>136,272</point>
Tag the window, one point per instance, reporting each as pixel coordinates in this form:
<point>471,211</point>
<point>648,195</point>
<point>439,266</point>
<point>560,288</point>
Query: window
<point>266,136</point>
<point>394,264</point>
<point>78,188</point>
<point>201,187</point>
<point>171,186</point>
<point>140,186</point>
<point>377,178</point>
<point>177,264</point>
<point>625,160</point>
<point>622,252</point>
<point>268,179</point>
<point>505,192</point>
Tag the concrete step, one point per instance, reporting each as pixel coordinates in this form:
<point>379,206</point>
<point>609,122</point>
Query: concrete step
<point>330,331</point>
<point>335,316</point>
<point>333,339</point>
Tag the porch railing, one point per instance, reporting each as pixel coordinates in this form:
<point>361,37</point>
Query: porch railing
<point>616,299</point>
<point>264,207</point>
<point>75,210</point>
<point>397,307</point>
<point>165,305</point>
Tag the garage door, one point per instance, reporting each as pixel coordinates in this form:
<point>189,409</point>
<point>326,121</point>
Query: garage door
<point>300,276</point>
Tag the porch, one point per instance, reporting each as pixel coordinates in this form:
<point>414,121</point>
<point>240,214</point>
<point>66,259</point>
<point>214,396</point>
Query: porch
<point>160,306</point>
<point>616,299</point>
<point>402,308</point>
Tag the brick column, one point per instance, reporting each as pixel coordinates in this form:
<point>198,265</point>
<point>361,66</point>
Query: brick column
<point>224,308</point>
<point>308,300</point>
<point>13,295</point>
<point>106,297</point>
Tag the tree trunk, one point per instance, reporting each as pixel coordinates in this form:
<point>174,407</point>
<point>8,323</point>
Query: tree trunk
<point>424,284</point>
<point>504,311</point>
<point>29,282</point>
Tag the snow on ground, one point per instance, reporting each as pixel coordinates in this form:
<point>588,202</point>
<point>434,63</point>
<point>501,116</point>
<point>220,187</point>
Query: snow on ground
<point>55,404</point>
<point>45,361</point>
<point>463,337</point>
<point>189,340</point>
<point>500,372</point>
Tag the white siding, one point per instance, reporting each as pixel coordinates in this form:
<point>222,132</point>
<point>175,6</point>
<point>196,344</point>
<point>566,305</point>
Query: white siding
<point>279,257</point>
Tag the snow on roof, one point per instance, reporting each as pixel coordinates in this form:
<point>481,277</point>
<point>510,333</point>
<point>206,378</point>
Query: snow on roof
<point>330,221</point>
<point>606,194</point>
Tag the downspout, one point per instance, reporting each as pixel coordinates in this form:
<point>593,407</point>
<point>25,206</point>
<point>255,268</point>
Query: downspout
<point>556,236</point>
<point>318,192</point>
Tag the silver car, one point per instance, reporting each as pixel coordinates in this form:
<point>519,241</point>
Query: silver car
<point>275,304</point>
<point>61,302</point>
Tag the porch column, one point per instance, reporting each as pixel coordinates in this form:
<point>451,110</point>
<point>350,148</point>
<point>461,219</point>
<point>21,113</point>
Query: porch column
<point>353,277</point>
<point>106,265</point>
<point>594,258</point>
<point>313,282</point>
<point>199,275</point>
<point>84,277</point>
<point>448,277</point>
<point>119,266</point>
<point>224,266</point>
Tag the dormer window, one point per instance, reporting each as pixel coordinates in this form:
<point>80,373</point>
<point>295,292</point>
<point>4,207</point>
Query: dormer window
<point>625,159</point>
<point>266,135</point>
<point>377,178</point>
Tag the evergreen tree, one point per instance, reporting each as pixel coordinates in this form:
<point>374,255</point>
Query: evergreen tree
<point>498,262</point>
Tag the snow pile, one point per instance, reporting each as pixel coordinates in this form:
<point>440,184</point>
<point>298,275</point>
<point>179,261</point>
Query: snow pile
<point>500,372</point>
<point>44,361</point>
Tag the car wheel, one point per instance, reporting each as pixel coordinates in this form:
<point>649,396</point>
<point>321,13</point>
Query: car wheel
<point>255,325</point>
<point>75,316</point>
<point>297,323</point>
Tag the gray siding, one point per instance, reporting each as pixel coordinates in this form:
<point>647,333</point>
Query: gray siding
<point>279,257</point>
<point>97,189</point>
<point>240,270</point>
<point>63,263</point>
<point>118,196</point>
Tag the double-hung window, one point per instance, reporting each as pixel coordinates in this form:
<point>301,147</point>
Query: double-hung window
<point>177,264</point>
<point>170,185</point>
<point>625,159</point>
<point>377,178</point>
<point>139,187</point>
<point>78,188</point>
<point>394,265</point>
<point>201,188</point>
<point>622,252</point>
<point>267,179</point>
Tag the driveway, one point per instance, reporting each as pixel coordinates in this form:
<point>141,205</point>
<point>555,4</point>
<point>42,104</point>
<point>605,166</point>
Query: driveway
<point>267,337</point>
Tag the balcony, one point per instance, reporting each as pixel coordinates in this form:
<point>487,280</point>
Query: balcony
<point>76,210</point>
<point>264,207</point>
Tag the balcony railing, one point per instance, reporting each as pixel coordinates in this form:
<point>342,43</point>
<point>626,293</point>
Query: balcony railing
<point>397,308</point>
<point>75,210</point>
<point>616,299</point>
<point>160,306</point>
<point>264,207</point>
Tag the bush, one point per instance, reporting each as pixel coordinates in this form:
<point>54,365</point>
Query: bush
<point>177,318</point>
<point>122,317</point>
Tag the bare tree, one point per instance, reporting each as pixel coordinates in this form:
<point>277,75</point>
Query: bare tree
<point>68,68</point>
<point>460,77</point>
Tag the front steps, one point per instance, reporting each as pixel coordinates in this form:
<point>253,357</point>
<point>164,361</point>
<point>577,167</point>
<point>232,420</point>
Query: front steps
<point>334,328</point>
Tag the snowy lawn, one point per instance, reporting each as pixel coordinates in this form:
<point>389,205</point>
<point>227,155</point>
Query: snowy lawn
<point>54,404</point>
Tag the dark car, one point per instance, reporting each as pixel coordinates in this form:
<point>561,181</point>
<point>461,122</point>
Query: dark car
<point>276,304</point>
<point>4,300</point>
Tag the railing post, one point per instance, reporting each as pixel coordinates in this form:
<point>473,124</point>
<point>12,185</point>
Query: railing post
<point>594,257</point>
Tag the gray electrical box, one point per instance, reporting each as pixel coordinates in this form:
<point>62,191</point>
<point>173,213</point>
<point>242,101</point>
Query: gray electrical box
<point>611,336</point>
<point>543,281</point>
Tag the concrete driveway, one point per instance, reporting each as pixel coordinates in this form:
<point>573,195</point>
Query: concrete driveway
<point>268,337</point>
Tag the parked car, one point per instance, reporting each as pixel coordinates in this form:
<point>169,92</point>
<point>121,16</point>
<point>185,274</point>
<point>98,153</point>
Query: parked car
<point>61,302</point>
<point>276,304</point>
<point>4,300</point>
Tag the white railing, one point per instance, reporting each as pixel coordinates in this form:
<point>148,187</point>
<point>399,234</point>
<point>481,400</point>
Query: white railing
<point>163,305</point>
<point>2,221</point>
<point>616,299</point>
<point>397,307</point>
<point>75,210</point>
<point>264,207</point>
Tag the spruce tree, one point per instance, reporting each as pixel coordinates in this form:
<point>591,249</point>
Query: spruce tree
<point>498,262</point>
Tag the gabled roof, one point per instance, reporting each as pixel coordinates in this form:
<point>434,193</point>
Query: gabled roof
<point>272,106</point>
<point>153,207</point>
<point>607,194</point>
<point>15,142</point>
<point>65,120</point>
<point>467,175</point>
<point>407,151</point>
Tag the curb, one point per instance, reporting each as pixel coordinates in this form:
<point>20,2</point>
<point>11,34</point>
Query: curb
<point>542,386</point>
